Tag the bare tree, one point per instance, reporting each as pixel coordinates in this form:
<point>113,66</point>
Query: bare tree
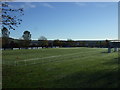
<point>43,42</point>
<point>10,18</point>
<point>42,38</point>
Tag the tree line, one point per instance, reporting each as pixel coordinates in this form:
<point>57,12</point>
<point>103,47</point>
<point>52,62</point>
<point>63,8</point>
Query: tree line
<point>26,42</point>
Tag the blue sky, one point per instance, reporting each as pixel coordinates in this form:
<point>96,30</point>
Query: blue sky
<point>68,20</point>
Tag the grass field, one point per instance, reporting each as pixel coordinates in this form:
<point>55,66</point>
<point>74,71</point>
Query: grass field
<point>60,68</point>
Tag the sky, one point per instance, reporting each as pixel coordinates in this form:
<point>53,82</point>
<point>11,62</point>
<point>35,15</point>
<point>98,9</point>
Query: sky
<point>68,20</point>
<point>63,0</point>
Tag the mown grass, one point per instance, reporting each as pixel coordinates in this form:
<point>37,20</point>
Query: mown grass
<point>75,68</point>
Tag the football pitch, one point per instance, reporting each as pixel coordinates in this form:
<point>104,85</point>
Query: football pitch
<point>60,68</point>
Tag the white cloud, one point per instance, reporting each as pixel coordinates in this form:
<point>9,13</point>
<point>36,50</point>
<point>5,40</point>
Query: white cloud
<point>81,4</point>
<point>99,4</point>
<point>28,5</point>
<point>47,5</point>
<point>103,5</point>
<point>24,5</point>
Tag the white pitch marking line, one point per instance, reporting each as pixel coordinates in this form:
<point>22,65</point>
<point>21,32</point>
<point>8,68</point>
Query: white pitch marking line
<point>47,57</point>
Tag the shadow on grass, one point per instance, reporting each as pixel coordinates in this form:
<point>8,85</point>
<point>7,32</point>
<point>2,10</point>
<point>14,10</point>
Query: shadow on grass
<point>107,78</point>
<point>99,79</point>
<point>87,78</point>
<point>80,79</point>
<point>111,62</point>
<point>104,52</point>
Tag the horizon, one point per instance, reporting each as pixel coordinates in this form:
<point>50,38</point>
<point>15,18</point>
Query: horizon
<point>71,39</point>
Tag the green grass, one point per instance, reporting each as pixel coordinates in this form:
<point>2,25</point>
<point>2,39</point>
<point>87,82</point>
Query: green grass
<point>60,68</point>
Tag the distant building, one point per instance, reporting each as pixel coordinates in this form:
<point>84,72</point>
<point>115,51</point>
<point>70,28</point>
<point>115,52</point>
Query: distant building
<point>115,44</point>
<point>34,42</point>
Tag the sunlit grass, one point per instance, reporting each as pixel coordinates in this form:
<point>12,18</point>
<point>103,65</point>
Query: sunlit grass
<point>67,68</point>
